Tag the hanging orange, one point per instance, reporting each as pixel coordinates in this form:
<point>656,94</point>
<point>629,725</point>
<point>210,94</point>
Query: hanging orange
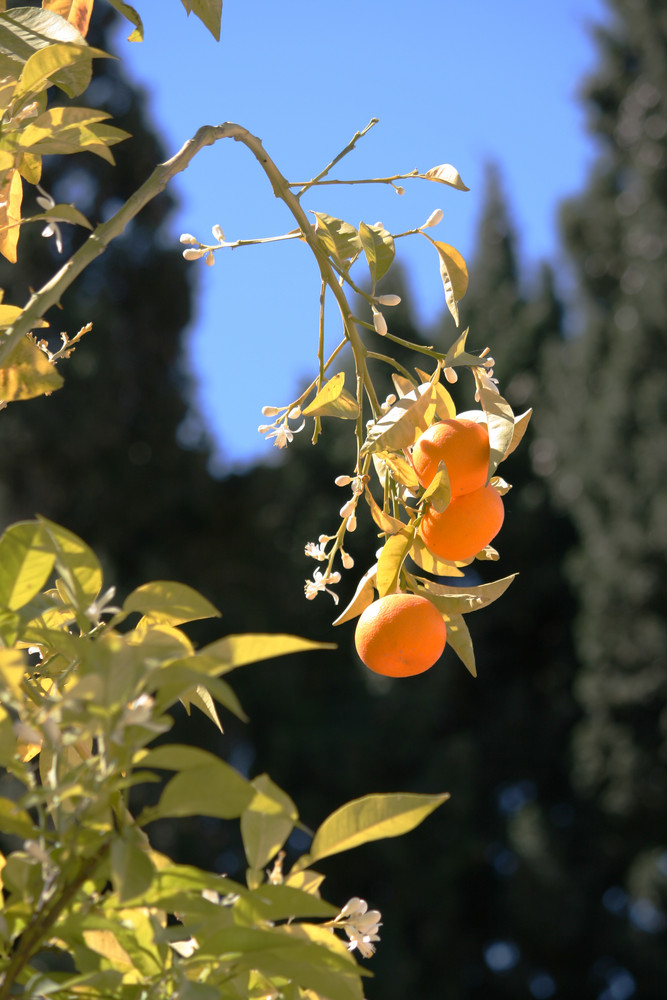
<point>463,445</point>
<point>400,635</point>
<point>465,527</point>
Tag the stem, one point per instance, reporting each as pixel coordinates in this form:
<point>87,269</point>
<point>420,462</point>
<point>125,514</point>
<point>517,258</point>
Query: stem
<point>364,180</point>
<point>392,362</point>
<point>348,149</point>
<point>32,938</point>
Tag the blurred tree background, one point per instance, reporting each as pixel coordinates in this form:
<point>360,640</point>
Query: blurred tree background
<point>546,874</point>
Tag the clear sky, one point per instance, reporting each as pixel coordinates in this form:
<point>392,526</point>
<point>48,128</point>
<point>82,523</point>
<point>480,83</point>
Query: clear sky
<point>460,83</point>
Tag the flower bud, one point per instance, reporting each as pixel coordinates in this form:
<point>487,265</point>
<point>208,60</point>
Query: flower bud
<point>433,219</point>
<point>451,375</point>
<point>218,233</point>
<point>343,480</point>
<point>348,561</point>
<point>193,254</point>
<point>294,413</point>
<point>270,411</point>
<point>348,508</point>
<point>188,238</point>
<point>263,428</point>
<point>210,258</point>
<point>398,189</point>
<point>388,300</point>
<point>379,322</point>
<point>352,523</point>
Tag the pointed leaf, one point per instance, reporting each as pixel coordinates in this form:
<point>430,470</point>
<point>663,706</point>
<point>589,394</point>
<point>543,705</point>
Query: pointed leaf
<point>379,248</point>
<point>201,698</point>
<point>169,603</point>
<point>11,197</point>
<point>520,426</point>
<point>425,559</point>
<point>391,558</point>
<point>404,423</point>
<point>339,238</point>
<point>445,173</point>
<point>364,596</point>
<point>267,822</point>
<point>76,562</point>
<point>454,274</point>
<point>132,16</point>
<point>457,354</point>
<point>62,213</point>
<point>439,491</point>
<point>26,30</point>
<point>67,64</point>
<point>333,401</point>
<point>458,637</point>
<point>203,786</point>
<point>373,817</point>
<point>77,12</point>
<point>209,13</point>
<point>390,525</point>
<point>28,372</point>
<point>499,420</point>
<point>26,562</point>
<point>455,601</point>
<point>131,869</point>
<point>238,650</point>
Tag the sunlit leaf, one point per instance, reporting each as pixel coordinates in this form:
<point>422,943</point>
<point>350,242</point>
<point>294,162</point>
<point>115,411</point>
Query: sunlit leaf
<point>62,213</point>
<point>30,167</point>
<point>458,637</point>
<point>267,822</point>
<point>201,698</point>
<point>237,650</point>
<point>25,31</point>
<point>390,525</point>
<point>364,596</point>
<point>26,562</point>
<point>67,64</point>
<point>77,12</point>
<point>499,420</point>
<point>169,603</point>
<point>340,239</point>
<point>455,601</point>
<point>391,558</point>
<point>373,817</point>
<point>454,274</point>
<point>209,13</point>
<point>445,173</point>
<point>203,786</point>
<point>379,249</point>
<point>15,820</point>
<point>520,427</point>
<point>28,372</point>
<point>401,470</point>
<point>457,354</point>
<point>425,559</point>
<point>404,422</point>
<point>132,16</point>
<point>131,869</point>
<point>333,401</point>
<point>439,492</point>
<point>11,197</point>
<point>76,563</point>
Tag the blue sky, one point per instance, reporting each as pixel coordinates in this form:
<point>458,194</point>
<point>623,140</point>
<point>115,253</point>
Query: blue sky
<point>460,83</point>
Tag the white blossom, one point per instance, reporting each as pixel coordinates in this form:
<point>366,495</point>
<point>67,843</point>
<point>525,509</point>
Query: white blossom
<point>52,228</point>
<point>314,551</point>
<point>218,233</point>
<point>360,924</point>
<point>433,219</point>
<point>320,582</point>
<point>188,238</point>
<point>193,254</point>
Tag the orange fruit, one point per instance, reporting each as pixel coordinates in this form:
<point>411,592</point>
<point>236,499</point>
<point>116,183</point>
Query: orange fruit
<point>463,445</point>
<point>466,526</point>
<point>400,635</point>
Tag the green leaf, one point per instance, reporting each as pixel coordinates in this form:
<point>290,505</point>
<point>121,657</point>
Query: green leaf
<point>333,401</point>
<point>458,637</point>
<point>439,491</point>
<point>209,13</point>
<point>66,63</point>
<point>132,870</point>
<point>76,562</point>
<point>238,650</point>
<point>15,820</point>
<point>201,698</point>
<point>364,596</point>
<point>379,248</point>
<point>25,31</point>
<point>404,423</point>
<point>61,213</point>
<point>26,562</point>
<point>340,239</point>
<point>372,817</point>
<point>456,601</point>
<point>166,602</point>
<point>454,274</point>
<point>445,173</point>
<point>132,16</point>
<point>204,786</point>
<point>391,558</point>
<point>28,372</point>
<point>284,902</point>
<point>267,822</point>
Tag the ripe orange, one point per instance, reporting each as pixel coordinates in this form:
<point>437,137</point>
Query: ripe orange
<point>463,445</point>
<point>400,635</point>
<point>466,526</point>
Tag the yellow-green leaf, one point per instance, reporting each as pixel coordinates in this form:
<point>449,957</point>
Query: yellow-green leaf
<point>267,822</point>
<point>425,559</point>
<point>458,637</point>
<point>454,601</point>
<point>373,817</point>
<point>203,786</point>
<point>390,525</point>
<point>169,603</point>
<point>209,13</point>
<point>499,420</point>
<point>76,562</point>
<point>457,354</point>
<point>64,63</point>
<point>340,239</point>
<point>520,427</point>
<point>237,650</point>
<point>364,596</point>
<point>132,16</point>
<point>77,12</point>
<point>333,401</point>
<point>11,197</point>
<point>403,424</point>
<point>28,373</point>
<point>454,274</point>
<point>391,558</point>
<point>439,492</point>
<point>379,248</point>
<point>26,562</point>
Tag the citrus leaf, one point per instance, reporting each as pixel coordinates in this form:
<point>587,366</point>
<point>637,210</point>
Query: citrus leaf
<point>372,817</point>
<point>340,239</point>
<point>458,637</point>
<point>28,373</point>
<point>399,467</point>
<point>68,64</point>
<point>62,213</point>
<point>520,426</point>
<point>77,12</point>
<point>76,562</point>
<point>132,16</point>
<point>391,558</point>
<point>203,786</point>
<point>454,274</point>
<point>169,603</point>
<point>457,354</point>
<point>404,422</point>
<point>379,248</point>
<point>445,173</point>
<point>15,820</point>
<point>26,562</point>
<point>237,650</point>
<point>499,420</point>
<point>439,492</point>
<point>425,559</point>
<point>131,869</point>
<point>25,31</point>
<point>364,596</point>
<point>390,525</point>
<point>209,13</point>
<point>201,698</point>
<point>455,601</point>
<point>11,197</point>
<point>333,401</point>
<point>266,825</point>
